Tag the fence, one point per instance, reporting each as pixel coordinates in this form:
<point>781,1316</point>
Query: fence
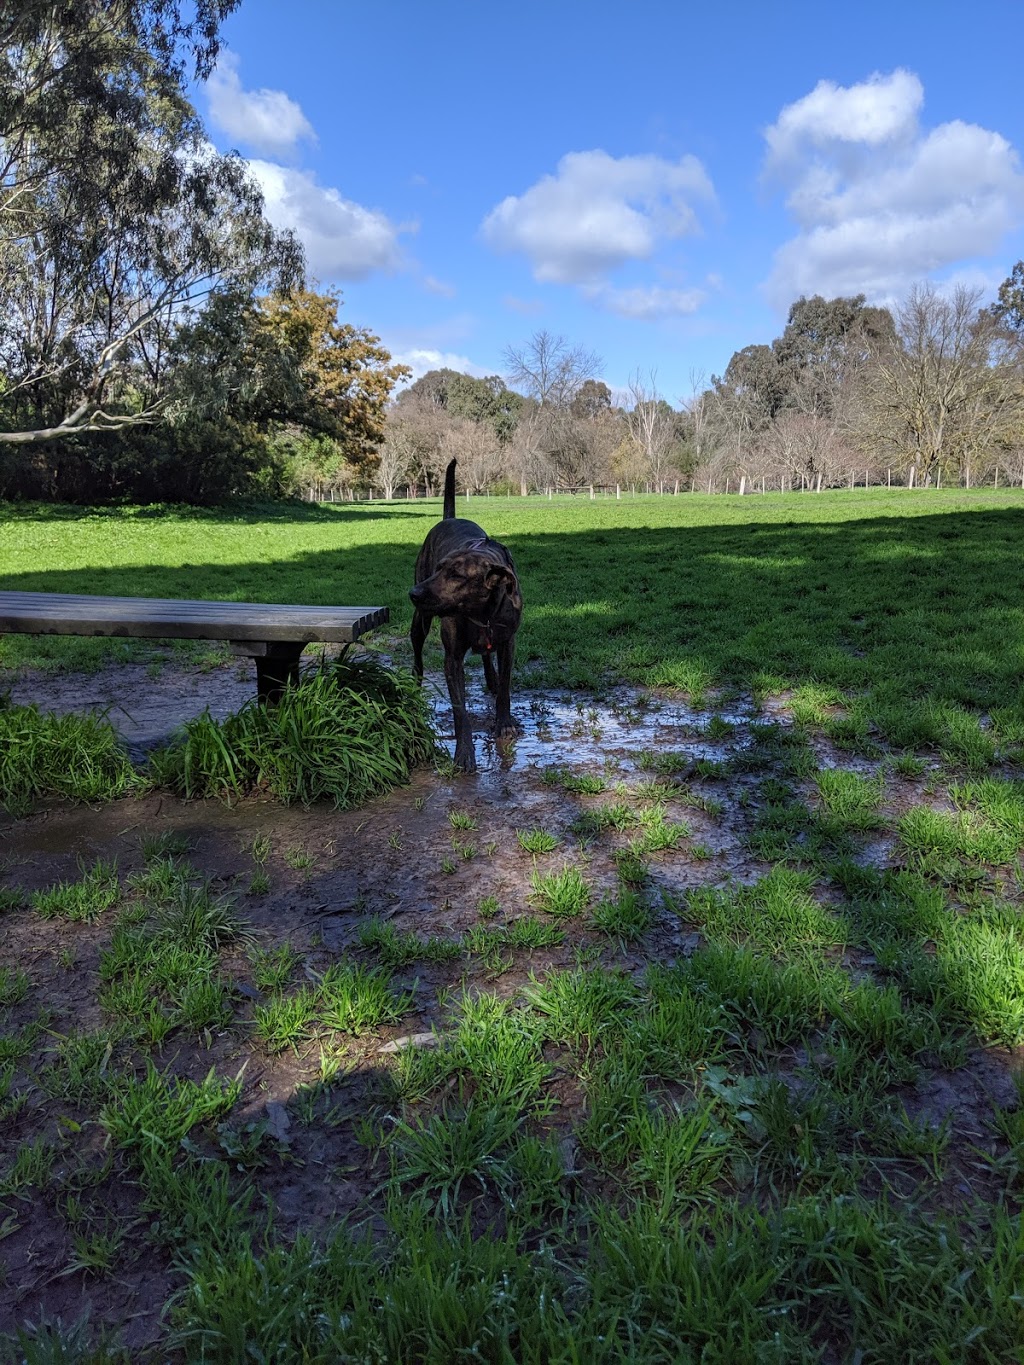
<point>743,485</point>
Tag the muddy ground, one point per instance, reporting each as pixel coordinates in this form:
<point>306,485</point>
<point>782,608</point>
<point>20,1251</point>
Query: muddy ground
<point>401,860</point>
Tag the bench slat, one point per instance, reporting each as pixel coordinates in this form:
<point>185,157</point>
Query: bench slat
<point>41,613</point>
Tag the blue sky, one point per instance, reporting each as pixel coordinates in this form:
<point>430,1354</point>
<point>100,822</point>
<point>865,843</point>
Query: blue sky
<point>654,181</point>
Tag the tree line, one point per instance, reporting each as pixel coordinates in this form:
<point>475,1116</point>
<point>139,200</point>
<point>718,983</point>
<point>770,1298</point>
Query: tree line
<point>932,391</point>
<point>160,340</point>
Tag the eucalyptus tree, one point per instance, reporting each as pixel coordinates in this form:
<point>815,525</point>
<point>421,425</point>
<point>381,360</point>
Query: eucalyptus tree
<point>117,219</point>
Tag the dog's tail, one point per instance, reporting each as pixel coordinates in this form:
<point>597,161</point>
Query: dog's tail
<point>449,491</point>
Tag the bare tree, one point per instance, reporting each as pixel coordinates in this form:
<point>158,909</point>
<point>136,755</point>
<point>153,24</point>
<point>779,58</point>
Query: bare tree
<point>477,449</point>
<point>549,370</point>
<point>651,424</point>
<point>948,388</point>
<point>396,457</point>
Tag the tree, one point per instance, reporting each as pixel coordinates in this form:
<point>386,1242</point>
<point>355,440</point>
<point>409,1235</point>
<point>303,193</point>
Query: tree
<point>283,363</point>
<point>549,370</point>
<point>824,342</point>
<point>653,426</point>
<point>345,377</point>
<point>946,388</point>
<point>463,395</point>
<point>1010,308</point>
<point>117,220</point>
<point>553,438</point>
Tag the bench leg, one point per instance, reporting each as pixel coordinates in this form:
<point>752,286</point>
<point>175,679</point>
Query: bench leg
<point>274,671</point>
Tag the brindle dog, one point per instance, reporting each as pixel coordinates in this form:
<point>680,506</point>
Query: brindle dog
<point>470,582</point>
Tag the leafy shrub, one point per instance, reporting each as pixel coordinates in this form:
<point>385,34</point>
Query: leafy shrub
<point>78,756</point>
<point>346,732</point>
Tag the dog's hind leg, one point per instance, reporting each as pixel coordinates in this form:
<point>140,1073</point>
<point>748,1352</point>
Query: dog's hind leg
<point>417,634</point>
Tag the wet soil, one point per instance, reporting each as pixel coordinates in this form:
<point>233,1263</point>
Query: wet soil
<point>399,859</point>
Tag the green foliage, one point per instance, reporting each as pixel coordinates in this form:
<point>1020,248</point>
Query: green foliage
<point>81,901</point>
<point>344,734</point>
<point>78,757</point>
<point>564,894</point>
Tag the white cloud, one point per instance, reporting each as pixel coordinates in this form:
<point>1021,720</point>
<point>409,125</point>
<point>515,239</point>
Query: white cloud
<point>343,240</point>
<point>879,110</point>
<point>420,360</point>
<point>879,202</point>
<point>267,121</point>
<point>649,304</point>
<point>441,288</point>
<point>597,213</point>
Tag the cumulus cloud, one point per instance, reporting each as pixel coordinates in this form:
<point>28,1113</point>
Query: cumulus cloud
<point>878,200</point>
<point>422,359</point>
<point>267,121</point>
<point>597,212</point>
<point>343,240</point>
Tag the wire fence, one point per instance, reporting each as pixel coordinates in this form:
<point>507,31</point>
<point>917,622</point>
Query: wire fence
<point>703,482</point>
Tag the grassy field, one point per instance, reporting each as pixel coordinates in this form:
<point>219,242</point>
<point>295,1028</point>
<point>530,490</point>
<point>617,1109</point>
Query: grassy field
<point>911,603</point>
<point>708,1049</point>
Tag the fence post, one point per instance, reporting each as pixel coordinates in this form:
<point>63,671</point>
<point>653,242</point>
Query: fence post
<point>743,484</point>
<point>888,478</point>
<point>618,492</point>
<point>591,492</point>
<point>967,472</point>
<point>910,481</point>
<point>938,478</point>
<point>997,477</point>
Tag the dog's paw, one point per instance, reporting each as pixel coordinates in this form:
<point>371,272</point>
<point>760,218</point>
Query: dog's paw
<point>465,763</point>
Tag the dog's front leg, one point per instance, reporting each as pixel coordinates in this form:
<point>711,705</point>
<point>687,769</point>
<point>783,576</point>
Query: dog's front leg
<point>455,676</point>
<point>504,726</point>
<point>420,629</point>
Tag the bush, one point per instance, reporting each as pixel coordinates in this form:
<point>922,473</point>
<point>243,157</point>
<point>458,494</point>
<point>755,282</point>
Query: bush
<point>78,756</point>
<point>346,732</point>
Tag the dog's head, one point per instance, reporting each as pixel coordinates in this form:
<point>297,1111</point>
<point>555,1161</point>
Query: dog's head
<point>469,583</point>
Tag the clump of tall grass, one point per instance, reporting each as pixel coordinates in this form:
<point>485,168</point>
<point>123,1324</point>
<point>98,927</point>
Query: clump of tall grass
<point>345,733</point>
<point>78,757</point>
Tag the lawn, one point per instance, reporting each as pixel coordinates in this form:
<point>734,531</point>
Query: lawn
<point>694,1034</point>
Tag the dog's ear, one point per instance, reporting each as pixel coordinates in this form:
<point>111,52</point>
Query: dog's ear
<point>509,582</point>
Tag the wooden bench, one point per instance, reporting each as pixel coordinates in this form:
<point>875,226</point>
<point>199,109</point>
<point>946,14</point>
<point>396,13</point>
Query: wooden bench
<point>273,636</point>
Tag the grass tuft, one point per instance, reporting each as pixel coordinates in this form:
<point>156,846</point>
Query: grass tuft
<point>344,734</point>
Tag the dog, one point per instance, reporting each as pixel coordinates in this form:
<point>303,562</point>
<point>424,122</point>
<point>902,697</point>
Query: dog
<point>470,582</point>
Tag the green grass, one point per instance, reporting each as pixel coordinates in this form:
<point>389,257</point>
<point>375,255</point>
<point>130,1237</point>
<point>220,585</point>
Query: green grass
<point>345,734</point>
<point>75,757</point>
<point>778,915</point>
<point>537,840</point>
<point>83,900</point>
<point>900,594</point>
<point>682,1117</point>
<point>563,894</point>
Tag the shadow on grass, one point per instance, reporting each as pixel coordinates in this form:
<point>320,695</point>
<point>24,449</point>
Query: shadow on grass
<point>923,609</point>
<point>229,514</point>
